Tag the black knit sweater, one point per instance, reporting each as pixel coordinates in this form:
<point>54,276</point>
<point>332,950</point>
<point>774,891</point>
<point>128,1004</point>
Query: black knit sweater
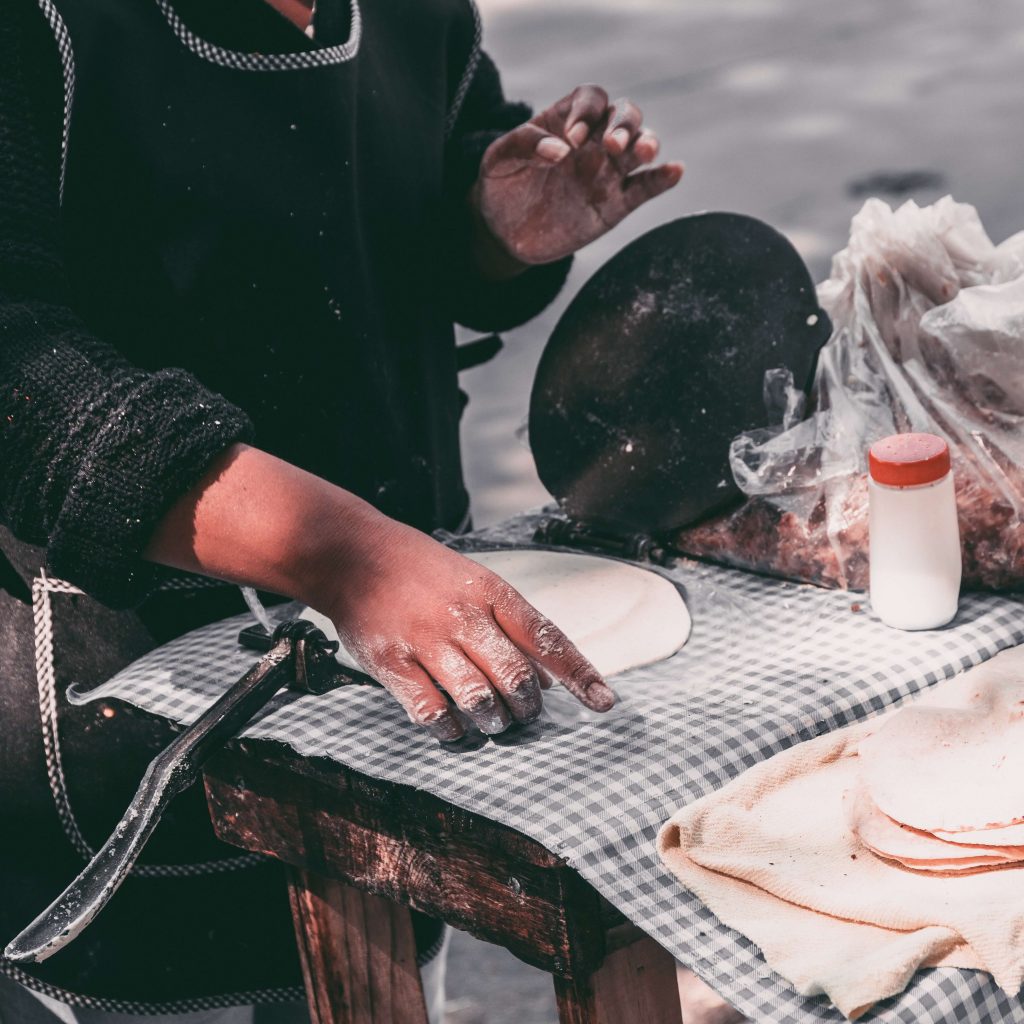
<point>93,450</point>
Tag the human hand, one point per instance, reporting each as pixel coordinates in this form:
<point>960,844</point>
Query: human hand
<point>430,624</point>
<point>421,619</point>
<point>563,179</point>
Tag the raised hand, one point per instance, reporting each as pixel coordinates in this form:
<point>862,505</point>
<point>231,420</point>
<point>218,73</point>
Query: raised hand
<point>556,183</point>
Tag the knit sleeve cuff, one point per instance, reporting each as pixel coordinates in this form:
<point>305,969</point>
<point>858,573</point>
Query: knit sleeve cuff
<point>484,305</point>
<point>157,436</point>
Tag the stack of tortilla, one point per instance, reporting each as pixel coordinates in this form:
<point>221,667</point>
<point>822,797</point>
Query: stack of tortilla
<point>942,788</point>
<point>856,858</point>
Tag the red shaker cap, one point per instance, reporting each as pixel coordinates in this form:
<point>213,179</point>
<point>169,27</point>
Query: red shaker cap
<point>909,460</point>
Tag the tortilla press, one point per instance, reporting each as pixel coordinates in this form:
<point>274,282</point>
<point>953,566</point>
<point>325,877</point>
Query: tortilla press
<point>658,363</point>
<point>653,369</point>
<point>300,657</point>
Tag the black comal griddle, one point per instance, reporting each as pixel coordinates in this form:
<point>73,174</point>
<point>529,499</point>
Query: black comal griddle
<point>656,365</point>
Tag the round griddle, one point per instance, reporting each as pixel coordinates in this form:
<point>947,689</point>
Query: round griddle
<point>659,362</point>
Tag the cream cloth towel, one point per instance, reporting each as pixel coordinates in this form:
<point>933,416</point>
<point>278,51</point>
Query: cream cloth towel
<point>771,855</point>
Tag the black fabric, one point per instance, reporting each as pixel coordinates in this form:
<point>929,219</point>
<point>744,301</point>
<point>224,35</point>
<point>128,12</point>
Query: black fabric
<point>292,242</point>
<point>488,305</point>
<point>160,939</point>
<point>279,229</point>
<point>92,450</point>
<point>330,22</point>
<point>254,28</point>
<point>150,282</point>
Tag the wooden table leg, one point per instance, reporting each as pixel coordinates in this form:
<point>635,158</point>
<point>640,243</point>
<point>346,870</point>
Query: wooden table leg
<point>635,984</point>
<point>358,954</point>
<point>358,950</point>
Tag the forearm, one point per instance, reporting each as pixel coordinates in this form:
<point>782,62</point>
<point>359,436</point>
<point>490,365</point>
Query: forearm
<point>258,521</point>
<point>416,615</point>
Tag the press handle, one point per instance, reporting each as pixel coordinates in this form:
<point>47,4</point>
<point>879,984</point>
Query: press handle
<point>301,654</point>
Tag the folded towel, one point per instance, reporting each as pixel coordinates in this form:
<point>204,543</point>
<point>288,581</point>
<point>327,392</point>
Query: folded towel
<point>773,856</point>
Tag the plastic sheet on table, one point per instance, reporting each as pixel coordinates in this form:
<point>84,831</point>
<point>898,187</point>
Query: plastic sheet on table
<point>928,318</point>
<point>714,598</point>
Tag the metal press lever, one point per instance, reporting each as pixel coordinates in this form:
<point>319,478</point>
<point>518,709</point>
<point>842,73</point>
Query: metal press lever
<point>302,657</point>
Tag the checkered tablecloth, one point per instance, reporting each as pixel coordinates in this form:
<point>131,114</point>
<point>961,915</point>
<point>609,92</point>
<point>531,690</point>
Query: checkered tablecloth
<point>769,664</point>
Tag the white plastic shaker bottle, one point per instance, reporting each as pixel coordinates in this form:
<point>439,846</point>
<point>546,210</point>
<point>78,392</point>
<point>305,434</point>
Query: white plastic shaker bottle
<point>915,537</point>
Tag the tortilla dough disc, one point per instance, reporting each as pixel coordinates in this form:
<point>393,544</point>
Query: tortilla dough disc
<point>953,867</point>
<point>889,839</point>
<point>1002,835</point>
<point>620,616</point>
<point>958,767</point>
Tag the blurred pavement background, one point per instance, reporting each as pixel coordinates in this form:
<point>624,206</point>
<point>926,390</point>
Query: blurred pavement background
<point>793,111</point>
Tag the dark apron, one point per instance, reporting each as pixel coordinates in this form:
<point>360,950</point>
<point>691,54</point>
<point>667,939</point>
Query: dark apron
<point>271,224</point>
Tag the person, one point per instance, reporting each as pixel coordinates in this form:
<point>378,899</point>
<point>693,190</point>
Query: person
<point>235,238</point>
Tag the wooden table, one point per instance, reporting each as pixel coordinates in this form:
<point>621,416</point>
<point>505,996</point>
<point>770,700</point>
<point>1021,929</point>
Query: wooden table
<point>361,852</point>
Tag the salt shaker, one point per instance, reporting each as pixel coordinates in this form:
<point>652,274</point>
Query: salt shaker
<point>915,537</point>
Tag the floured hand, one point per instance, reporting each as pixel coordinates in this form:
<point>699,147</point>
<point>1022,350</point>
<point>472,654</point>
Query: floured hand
<point>430,625</point>
<point>420,618</point>
<point>556,183</point>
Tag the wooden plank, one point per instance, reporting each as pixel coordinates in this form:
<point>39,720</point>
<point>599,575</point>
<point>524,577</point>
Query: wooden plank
<point>358,954</point>
<point>410,847</point>
<point>635,984</point>
<point>375,803</point>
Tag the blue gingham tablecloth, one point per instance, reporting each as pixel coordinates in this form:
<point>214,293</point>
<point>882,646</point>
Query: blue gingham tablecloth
<point>769,664</point>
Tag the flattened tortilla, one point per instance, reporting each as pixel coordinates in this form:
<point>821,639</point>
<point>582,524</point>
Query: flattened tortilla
<point>1000,835</point>
<point>953,867</point>
<point>912,848</point>
<point>620,616</point>
<point>954,768</point>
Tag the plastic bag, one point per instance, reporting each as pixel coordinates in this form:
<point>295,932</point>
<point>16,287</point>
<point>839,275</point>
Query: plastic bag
<point>928,319</point>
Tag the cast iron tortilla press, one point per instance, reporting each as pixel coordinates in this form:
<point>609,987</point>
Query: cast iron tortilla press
<point>656,365</point>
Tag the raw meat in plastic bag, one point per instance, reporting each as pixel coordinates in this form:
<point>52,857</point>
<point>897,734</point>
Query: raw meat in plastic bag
<point>928,319</point>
